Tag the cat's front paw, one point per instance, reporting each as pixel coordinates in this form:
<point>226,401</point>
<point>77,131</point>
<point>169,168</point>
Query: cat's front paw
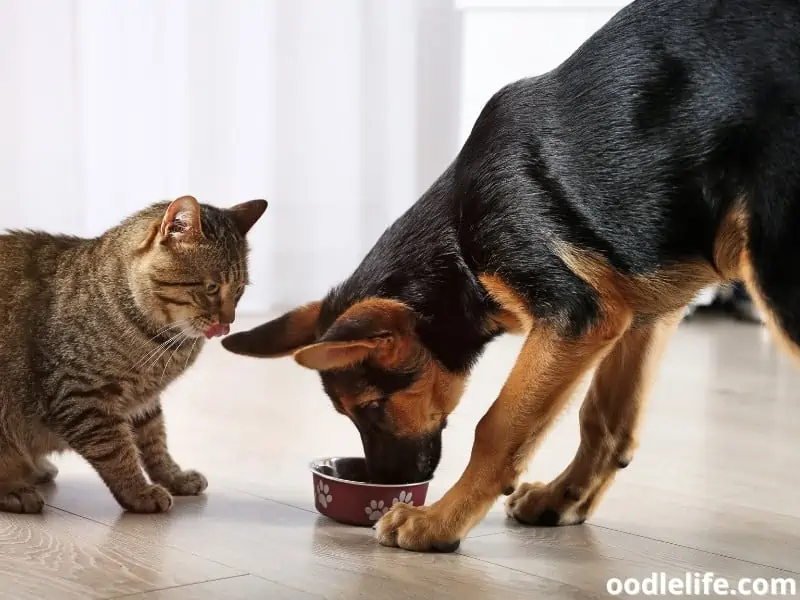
<point>187,483</point>
<point>22,499</point>
<point>45,471</point>
<point>152,499</point>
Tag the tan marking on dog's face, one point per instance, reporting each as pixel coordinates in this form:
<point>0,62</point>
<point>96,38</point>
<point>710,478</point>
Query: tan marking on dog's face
<point>426,404</point>
<point>370,355</point>
<point>405,401</point>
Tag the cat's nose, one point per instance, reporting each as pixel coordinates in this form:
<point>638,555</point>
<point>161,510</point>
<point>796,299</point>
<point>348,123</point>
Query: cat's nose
<point>227,313</point>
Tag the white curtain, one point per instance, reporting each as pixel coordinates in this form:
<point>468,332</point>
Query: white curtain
<point>339,112</point>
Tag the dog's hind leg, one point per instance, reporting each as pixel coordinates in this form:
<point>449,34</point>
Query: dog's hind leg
<point>769,264</point>
<point>609,419</point>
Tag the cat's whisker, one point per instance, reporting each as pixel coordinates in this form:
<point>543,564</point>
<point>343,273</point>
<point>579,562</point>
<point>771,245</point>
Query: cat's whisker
<point>148,353</point>
<point>180,324</point>
<point>191,351</point>
<point>131,330</point>
<point>180,336</point>
<point>151,363</point>
<point>171,356</point>
<point>144,342</point>
<point>163,347</point>
<point>146,345</point>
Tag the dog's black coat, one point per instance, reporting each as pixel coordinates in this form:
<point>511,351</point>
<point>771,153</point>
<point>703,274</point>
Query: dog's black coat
<point>635,147</point>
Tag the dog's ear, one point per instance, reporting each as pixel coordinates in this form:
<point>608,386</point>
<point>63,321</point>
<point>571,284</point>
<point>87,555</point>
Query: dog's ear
<point>378,328</point>
<point>279,337</point>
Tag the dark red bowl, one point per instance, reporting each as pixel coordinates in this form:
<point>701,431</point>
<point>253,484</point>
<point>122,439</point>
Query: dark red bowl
<point>342,493</point>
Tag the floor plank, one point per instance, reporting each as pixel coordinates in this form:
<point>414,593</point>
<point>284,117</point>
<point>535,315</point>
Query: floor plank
<point>60,555</point>
<point>244,587</point>
<point>588,556</point>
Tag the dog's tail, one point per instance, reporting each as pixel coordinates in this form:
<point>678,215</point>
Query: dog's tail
<point>769,265</point>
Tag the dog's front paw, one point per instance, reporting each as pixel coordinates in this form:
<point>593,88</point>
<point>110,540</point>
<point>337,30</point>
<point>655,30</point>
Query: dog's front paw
<point>187,483</point>
<point>417,528</point>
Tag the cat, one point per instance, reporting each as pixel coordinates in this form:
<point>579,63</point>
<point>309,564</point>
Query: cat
<point>93,332</point>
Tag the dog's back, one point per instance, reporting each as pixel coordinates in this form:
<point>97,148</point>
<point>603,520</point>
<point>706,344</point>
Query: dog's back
<point>640,146</point>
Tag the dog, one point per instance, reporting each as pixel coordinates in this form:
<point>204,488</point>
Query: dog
<point>586,209</point>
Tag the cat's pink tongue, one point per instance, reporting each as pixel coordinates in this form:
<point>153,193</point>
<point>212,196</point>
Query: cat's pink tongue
<point>216,330</point>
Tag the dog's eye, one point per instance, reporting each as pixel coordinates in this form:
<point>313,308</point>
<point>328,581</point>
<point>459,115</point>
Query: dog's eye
<point>375,408</point>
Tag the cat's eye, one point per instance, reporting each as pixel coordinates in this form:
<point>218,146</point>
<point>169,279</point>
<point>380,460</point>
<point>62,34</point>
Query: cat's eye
<point>212,288</point>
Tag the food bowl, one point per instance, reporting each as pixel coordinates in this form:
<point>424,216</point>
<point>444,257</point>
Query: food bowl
<point>342,492</point>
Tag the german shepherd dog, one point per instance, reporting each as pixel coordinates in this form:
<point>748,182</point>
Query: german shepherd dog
<point>585,210</point>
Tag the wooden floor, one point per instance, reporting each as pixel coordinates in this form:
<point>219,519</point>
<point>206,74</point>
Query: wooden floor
<point>714,487</point>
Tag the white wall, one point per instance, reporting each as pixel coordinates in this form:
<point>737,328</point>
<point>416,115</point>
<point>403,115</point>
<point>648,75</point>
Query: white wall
<point>329,109</point>
<point>507,40</point>
<point>339,112</point>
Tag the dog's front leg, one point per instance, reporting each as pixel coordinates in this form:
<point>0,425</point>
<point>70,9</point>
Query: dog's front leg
<point>546,372</point>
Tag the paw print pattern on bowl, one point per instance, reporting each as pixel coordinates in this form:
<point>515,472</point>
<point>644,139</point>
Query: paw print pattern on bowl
<point>376,509</point>
<point>323,494</point>
<point>404,497</point>
<point>342,492</point>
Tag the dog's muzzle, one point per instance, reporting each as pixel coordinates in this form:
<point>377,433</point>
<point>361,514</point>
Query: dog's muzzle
<point>395,460</point>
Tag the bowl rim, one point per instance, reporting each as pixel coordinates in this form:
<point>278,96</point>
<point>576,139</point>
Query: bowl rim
<point>312,466</point>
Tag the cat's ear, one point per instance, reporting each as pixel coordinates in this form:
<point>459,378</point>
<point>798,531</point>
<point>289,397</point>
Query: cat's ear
<point>181,221</point>
<point>279,337</point>
<point>377,328</point>
<point>246,214</point>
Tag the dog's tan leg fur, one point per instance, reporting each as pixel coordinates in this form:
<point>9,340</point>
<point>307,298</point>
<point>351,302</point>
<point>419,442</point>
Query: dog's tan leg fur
<point>609,419</point>
<point>547,371</point>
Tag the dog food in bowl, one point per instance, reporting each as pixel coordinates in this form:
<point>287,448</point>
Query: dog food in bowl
<point>342,493</point>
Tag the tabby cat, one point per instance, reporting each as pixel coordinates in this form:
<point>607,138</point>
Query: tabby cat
<point>95,329</point>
